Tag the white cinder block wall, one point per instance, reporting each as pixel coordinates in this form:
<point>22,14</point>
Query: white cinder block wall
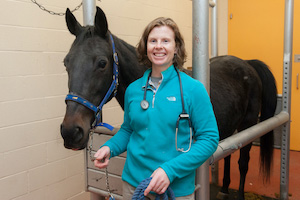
<point>34,165</point>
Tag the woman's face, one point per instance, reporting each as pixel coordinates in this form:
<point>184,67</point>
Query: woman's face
<point>161,47</point>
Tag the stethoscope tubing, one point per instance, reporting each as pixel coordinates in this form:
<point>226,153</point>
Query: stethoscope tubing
<point>183,114</point>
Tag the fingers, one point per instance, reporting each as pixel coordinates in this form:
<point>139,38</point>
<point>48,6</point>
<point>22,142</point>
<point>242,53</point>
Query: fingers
<point>102,157</point>
<point>159,183</point>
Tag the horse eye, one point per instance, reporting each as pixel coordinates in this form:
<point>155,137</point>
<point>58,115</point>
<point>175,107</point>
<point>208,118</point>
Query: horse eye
<point>102,64</point>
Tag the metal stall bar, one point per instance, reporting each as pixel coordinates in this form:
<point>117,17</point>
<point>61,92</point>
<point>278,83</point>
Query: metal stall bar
<point>213,53</point>
<point>201,72</point>
<point>286,97</point>
<point>89,10</point>
<point>214,28</point>
<point>241,139</point>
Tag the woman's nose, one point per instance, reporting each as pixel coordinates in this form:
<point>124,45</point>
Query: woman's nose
<point>158,45</point>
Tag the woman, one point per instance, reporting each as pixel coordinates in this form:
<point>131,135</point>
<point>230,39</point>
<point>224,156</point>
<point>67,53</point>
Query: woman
<point>157,145</point>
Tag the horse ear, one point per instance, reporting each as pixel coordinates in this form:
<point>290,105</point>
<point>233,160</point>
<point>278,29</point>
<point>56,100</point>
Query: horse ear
<point>101,26</point>
<point>72,24</point>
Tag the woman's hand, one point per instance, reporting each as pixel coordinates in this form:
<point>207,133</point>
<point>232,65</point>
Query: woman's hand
<point>102,157</point>
<point>159,182</point>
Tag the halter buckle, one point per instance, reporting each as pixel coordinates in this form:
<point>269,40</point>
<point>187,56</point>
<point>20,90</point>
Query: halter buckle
<point>116,59</point>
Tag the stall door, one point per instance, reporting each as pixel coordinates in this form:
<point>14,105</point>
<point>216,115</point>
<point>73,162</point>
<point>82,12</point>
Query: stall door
<point>256,31</point>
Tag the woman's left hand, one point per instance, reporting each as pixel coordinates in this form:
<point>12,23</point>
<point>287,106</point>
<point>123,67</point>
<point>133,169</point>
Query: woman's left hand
<point>159,182</point>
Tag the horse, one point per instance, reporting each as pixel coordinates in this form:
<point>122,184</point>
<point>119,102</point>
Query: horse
<point>243,92</point>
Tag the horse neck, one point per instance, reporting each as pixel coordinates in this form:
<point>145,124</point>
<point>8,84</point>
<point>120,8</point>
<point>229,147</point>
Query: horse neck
<point>129,67</point>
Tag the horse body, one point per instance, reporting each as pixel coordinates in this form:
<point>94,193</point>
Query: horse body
<point>239,89</point>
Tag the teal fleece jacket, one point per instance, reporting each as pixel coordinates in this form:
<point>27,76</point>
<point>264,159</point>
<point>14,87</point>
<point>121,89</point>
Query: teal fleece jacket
<point>149,135</point>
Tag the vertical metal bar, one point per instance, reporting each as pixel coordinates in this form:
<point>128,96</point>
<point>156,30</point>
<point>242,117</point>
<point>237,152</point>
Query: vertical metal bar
<point>201,73</point>
<point>286,97</point>
<point>214,53</point>
<point>89,10</point>
<point>200,42</point>
<point>214,29</point>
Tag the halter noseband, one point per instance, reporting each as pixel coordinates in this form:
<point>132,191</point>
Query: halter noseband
<point>112,90</point>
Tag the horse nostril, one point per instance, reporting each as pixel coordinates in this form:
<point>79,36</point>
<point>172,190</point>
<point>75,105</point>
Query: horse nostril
<point>73,135</point>
<point>78,134</point>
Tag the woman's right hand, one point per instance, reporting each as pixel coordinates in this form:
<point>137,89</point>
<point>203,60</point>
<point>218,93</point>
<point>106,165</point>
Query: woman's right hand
<point>102,157</point>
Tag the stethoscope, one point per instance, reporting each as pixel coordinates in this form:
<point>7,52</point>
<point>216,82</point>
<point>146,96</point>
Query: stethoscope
<point>183,115</point>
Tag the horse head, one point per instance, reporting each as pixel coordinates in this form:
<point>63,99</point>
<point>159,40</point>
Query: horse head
<point>89,65</point>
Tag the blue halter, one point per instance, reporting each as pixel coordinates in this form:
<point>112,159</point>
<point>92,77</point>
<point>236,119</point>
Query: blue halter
<point>112,90</point>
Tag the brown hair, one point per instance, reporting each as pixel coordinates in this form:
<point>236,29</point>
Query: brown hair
<point>180,57</point>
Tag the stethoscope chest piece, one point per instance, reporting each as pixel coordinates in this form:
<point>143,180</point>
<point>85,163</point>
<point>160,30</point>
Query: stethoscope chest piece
<point>145,104</point>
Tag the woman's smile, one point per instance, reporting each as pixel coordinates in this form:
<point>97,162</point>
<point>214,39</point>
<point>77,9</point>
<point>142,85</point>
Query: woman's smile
<point>161,48</point>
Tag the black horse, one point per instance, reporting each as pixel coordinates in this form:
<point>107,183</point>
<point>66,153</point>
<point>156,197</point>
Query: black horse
<point>242,92</point>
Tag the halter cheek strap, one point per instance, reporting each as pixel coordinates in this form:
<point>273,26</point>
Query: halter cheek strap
<point>112,90</point>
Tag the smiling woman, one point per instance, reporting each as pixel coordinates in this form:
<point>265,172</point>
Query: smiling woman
<point>152,122</point>
<point>172,34</point>
<point>161,49</point>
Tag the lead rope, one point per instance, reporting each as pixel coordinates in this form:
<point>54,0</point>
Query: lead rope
<point>92,158</point>
<point>140,189</point>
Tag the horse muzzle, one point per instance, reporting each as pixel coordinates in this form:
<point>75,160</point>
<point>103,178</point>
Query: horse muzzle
<point>74,137</point>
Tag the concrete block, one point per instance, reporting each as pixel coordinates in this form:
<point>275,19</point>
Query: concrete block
<point>35,107</point>
<point>22,63</point>
<point>21,160</point>
<point>13,186</point>
<point>34,87</point>
<point>75,164</point>
<point>81,196</point>
<point>55,84</point>
<point>56,151</point>
<point>113,116</point>
<point>11,14</point>
<point>46,175</point>
<point>34,195</point>
<point>25,135</point>
<point>55,107</point>
<point>12,88</point>
<point>32,39</point>
<point>67,188</point>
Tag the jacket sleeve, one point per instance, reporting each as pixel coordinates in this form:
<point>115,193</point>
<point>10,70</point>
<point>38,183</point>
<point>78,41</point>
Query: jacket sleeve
<point>206,135</point>
<point>118,143</point>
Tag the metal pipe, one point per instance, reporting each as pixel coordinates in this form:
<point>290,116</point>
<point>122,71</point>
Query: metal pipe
<point>286,97</point>
<point>201,72</point>
<point>213,53</point>
<point>214,29</point>
<point>102,194</point>
<point>241,139</point>
<point>200,42</point>
<point>89,10</point>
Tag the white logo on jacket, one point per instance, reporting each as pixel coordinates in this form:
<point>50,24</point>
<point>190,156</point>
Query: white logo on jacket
<point>171,98</point>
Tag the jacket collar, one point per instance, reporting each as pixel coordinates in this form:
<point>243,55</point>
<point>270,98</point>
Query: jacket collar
<point>166,75</point>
